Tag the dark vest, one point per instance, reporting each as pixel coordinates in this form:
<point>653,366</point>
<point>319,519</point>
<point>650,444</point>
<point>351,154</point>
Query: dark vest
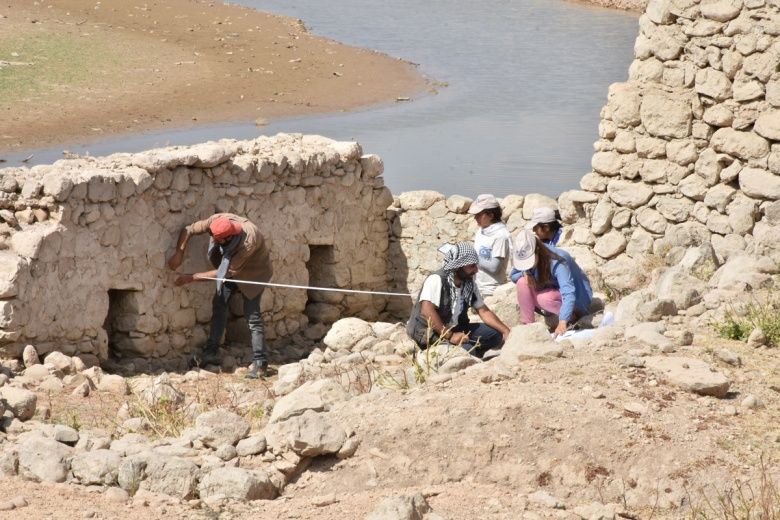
<point>417,327</point>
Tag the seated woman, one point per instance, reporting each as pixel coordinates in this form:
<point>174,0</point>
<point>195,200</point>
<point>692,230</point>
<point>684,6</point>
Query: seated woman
<point>550,279</point>
<point>544,222</point>
<point>492,242</point>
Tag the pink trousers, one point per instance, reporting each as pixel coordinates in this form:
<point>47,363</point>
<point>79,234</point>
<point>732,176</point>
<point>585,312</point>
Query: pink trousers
<point>528,298</point>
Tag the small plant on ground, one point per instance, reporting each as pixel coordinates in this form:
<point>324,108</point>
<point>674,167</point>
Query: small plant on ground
<point>764,315</point>
<point>741,501</point>
<point>165,417</point>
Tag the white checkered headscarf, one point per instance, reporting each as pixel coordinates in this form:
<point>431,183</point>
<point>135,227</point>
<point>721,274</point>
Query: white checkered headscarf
<point>457,256</point>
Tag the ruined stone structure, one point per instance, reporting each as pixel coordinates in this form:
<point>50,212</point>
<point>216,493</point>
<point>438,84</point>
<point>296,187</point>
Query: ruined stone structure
<point>690,146</point>
<point>84,243</point>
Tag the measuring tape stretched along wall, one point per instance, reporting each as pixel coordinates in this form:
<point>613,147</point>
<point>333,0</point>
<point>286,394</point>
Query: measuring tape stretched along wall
<point>289,286</point>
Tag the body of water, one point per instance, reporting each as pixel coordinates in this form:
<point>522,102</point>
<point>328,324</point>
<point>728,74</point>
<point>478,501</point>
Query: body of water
<point>525,81</point>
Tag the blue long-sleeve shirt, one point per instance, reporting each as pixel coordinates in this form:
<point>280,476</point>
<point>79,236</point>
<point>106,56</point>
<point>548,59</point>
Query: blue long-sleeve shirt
<point>569,279</point>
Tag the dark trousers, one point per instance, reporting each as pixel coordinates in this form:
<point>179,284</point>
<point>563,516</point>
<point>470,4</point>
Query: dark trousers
<point>219,311</point>
<point>481,338</point>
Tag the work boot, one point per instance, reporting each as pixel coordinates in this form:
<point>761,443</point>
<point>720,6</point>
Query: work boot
<point>257,370</point>
<point>207,357</point>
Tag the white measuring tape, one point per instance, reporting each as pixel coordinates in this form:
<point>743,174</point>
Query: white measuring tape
<point>289,286</point>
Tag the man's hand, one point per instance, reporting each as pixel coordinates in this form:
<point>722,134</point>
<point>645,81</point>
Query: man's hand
<point>458,338</point>
<point>561,328</point>
<point>184,279</point>
<point>175,260</point>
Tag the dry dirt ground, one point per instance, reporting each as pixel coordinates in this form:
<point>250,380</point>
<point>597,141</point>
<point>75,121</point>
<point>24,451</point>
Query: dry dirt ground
<point>80,69</point>
<point>582,428</point>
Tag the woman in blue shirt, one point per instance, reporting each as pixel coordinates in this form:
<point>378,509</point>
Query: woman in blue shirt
<point>548,278</point>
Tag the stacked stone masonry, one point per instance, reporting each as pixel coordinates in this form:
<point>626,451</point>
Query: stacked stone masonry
<point>83,244</point>
<point>689,148</point>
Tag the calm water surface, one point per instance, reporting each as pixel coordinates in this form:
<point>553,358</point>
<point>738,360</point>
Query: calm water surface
<point>525,82</point>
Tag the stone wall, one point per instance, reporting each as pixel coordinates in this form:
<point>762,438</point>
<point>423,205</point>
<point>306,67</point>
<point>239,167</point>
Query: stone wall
<point>689,148</point>
<point>83,244</point>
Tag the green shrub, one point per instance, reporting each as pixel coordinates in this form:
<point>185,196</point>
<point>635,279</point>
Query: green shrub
<point>758,315</point>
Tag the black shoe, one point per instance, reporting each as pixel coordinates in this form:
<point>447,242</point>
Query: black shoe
<point>205,358</point>
<point>257,371</point>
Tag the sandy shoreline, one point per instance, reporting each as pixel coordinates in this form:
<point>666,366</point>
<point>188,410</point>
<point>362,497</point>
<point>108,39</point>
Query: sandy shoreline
<point>81,69</point>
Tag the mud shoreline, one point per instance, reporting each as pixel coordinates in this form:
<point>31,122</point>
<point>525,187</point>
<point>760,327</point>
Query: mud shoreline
<point>76,69</point>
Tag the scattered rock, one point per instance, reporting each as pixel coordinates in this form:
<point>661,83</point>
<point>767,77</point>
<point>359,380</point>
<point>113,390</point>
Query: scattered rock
<point>309,434</point>
<point>20,402</point>
<point>317,395</point>
<point>529,342</point>
<point>236,483</point>
<point>751,401</point>
<point>403,507</point>
<point>757,338</point>
<point>728,357</point>
<point>252,445</point>
<point>218,427</point>
<point>690,374</point>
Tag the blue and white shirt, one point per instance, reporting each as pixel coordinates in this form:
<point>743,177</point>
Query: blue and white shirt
<point>492,242</point>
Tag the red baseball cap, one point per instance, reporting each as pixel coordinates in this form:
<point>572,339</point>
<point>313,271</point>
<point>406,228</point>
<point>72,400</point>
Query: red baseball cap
<point>222,228</point>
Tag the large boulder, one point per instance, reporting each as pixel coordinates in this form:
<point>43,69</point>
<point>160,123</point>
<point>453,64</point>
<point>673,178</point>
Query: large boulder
<point>309,434</point>
<point>19,401</point>
<point>403,507</point>
<point>681,287</point>
<point>623,274</point>
<point>651,334</point>
<point>316,395</point>
<point>236,483</point>
<point>172,476</point>
<point>62,362</point>
<point>345,333</point>
<point>529,342</point>
<point>98,467</point>
<point>503,302</point>
<point>218,427</point>
<point>252,445</point>
<point>742,271</point>
<point>42,459</point>
<point>641,306</point>
<point>690,374</point>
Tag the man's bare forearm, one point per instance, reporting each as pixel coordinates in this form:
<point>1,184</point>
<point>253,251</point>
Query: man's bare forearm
<point>184,237</point>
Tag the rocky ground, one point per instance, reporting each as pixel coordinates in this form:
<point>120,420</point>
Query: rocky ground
<point>82,69</point>
<point>654,416</point>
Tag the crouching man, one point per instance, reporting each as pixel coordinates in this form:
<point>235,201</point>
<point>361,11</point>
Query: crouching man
<point>441,311</point>
<point>236,250</point>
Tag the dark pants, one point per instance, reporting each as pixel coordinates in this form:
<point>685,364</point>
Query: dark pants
<point>219,306</point>
<point>481,338</point>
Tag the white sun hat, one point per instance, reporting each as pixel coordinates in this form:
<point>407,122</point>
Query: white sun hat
<point>524,254</point>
